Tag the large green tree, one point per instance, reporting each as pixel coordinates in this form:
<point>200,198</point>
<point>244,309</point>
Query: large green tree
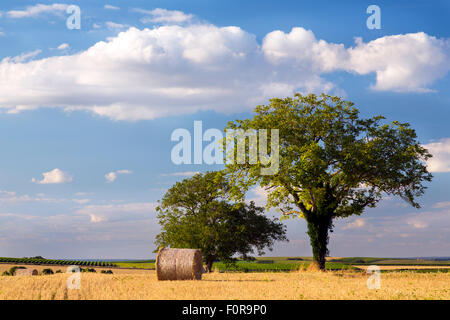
<point>195,213</point>
<point>332,163</point>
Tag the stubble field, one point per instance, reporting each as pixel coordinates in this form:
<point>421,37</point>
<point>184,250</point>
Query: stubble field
<point>292,286</point>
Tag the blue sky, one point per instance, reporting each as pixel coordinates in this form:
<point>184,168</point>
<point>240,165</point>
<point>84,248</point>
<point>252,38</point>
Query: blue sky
<point>80,106</point>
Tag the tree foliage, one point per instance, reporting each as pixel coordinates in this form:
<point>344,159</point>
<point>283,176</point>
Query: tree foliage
<point>333,164</point>
<point>194,213</point>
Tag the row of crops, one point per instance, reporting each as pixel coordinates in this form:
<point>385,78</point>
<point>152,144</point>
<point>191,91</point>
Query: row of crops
<point>247,266</point>
<point>57,262</point>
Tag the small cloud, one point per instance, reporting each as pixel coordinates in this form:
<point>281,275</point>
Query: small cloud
<point>80,194</point>
<point>63,46</point>
<point>112,176</point>
<point>164,16</point>
<point>110,7</point>
<point>36,10</point>
<point>23,57</point>
<point>95,218</point>
<point>443,204</point>
<point>358,223</point>
<point>440,162</point>
<point>81,201</point>
<point>118,212</point>
<point>12,197</point>
<point>7,193</point>
<point>116,26</point>
<point>96,26</point>
<point>259,196</point>
<point>417,224</point>
<point>53,177</point>
<point>180,174</point>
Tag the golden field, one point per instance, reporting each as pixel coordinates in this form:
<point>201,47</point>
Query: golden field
<point>142,284</point>
<point>405,267</point>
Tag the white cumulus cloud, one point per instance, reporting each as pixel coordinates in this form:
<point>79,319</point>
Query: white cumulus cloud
<point>409,62</point>
<point>174,70</point>
<point>440,162</point>
<point>301,49</point>
<point>53,177</point>
<point>406,62</point>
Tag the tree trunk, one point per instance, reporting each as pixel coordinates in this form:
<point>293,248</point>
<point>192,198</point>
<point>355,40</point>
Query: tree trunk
<point>209,263</point>
<point>318,228</point>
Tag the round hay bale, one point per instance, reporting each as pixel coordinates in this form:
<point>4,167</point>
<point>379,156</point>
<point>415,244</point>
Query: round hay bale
<point>22,272</point>
<point>26,272</point>
<point>179,264</point>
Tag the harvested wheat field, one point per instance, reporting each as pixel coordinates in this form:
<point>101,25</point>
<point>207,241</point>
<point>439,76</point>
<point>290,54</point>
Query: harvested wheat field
<point>293,286</point>
<point>405,267</point>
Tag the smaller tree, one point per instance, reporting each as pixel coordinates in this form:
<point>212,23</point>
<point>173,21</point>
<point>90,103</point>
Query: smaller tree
<point>194,213</point>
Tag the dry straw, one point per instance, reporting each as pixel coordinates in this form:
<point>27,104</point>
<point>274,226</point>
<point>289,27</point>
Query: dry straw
<point>179,264</point>
<point>313,267</point>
